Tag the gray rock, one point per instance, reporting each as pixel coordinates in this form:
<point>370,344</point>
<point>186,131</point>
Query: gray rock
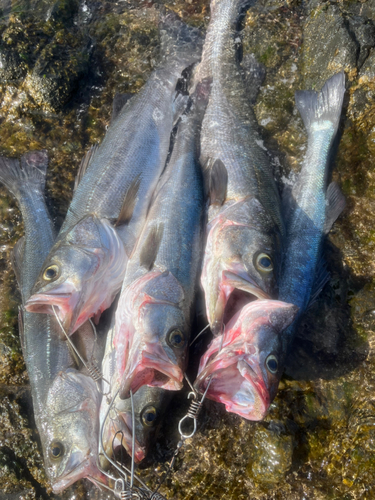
<point>364,33</point>
<point>367,72</point>
<point>328,46</point>
<point>58,70</point>
<point>11,66</point>
<point>255,73</point>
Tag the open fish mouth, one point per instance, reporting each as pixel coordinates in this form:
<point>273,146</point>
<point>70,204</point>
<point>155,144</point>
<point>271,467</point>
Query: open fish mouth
<point>118,435</point>
<point>236,290</point>
<point>56,303</point>
<point>235,383</point>
<point>151,366</point>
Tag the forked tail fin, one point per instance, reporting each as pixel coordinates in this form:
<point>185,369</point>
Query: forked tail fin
<point>29,174</point>
<point>320,110</point>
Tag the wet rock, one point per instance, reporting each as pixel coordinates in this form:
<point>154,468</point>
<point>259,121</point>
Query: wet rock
<point>367,73</point>
<point>63,11</point>
<point>328,46</point>
<point>59,69</point>
<point>272,454</point>
<point>364,33</point>
<point>255,73</point>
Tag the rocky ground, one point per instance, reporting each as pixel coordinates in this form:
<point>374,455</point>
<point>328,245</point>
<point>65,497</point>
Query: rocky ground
<point>60,66</point>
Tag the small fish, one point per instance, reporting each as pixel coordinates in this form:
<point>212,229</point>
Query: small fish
<point>65,401</point>
<point>245,229</point>
<point>111,201</point>
<point>117,428</point>
<point>312,208</point>
<point>153,318</point>
<point>243,361</point>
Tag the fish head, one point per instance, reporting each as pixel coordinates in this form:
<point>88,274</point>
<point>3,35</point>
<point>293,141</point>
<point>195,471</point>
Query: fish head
<point>158,352</point>
<point>241,264</point>
<point>149,406</point>
<point>78,262</point>
<point>246,364</point>
<point>70,437</point>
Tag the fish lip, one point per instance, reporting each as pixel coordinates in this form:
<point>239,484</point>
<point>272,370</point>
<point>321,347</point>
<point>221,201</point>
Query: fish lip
<point>140,451</point>
<point>258,409</point>
<point>74,475</point>
<point>124,427</point>
<point>64,304</point>
<point>232,280</point>
<point>154,359</point>
<point>246,283</point>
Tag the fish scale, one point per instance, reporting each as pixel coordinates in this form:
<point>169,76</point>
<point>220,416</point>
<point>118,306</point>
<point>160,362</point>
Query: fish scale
<point>121,177</point>
<point>48,360</point>
<point>230,136</point>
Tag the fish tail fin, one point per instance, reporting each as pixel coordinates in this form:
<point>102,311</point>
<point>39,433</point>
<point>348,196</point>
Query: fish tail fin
<point>29,174</point>
<point>322,109</point>
<point>181,44</point>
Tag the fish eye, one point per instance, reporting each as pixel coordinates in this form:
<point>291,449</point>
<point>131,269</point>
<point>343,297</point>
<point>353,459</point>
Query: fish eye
<point>149,415</point>
<point>51,272</point>
<point>56,449</point>
<point>272,364</point>
<point>263,263</point>
<point>176,338</point>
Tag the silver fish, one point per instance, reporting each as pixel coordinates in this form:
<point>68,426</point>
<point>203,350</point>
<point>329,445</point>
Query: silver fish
<point>86,266</point>
<point>66,402</point>
<point>245,228</point>
<point>246,372</point>
<point>153,317</point>
<point>117,427</point>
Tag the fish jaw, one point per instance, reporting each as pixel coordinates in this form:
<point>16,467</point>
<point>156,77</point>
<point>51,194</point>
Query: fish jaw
<point>150,365</point>
<point>89,277</point>
<point>236,384</point>
<point>82,467</point>
<point>221,276</point>
<point>62,300</point>
<point>235,363</point>
<point>122,425</point>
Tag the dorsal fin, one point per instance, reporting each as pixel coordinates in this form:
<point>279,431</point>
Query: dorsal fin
<point>151,246</point>
<point>216,181</point>
<point>17,259</point>
<point>335,204</point>
<point>128,204</point>
<point>119,102</point>
<point>86,160</point>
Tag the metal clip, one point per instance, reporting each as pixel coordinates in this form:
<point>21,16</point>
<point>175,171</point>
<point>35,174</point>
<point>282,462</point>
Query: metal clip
<point>192,413</point>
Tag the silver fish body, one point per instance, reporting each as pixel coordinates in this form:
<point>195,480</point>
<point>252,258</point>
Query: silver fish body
<point>121,177</point>
<point>116,424</point>
<point>63,398</point>
<point>245,228</point>
<point>153,317</point>
<point>312,207</point>
<point>247,365</point>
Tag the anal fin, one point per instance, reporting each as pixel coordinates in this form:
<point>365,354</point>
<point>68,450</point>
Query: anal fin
<point>322,276</point>
<point>335,205</point>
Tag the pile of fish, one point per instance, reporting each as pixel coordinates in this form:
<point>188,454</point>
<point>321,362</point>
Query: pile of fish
<point>180,190</point>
